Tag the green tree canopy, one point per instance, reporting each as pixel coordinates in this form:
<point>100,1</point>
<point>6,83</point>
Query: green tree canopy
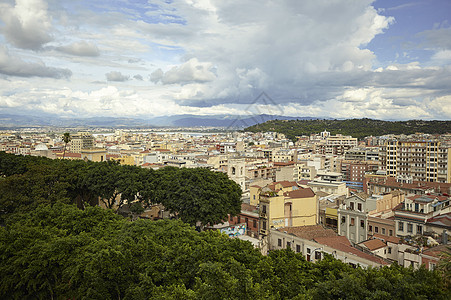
<point>62,252</point>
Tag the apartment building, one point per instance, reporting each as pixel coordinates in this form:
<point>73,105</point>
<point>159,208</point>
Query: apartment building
<point>81,141</point>
<point>284,204</point>
<point>337,144</point>
<point>354,171</point>
<point>416,214</point>
<point>365,154</point>
<point>421,160</point>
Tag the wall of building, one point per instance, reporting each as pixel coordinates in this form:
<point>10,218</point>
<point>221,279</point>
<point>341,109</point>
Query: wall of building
<point>313,250</point>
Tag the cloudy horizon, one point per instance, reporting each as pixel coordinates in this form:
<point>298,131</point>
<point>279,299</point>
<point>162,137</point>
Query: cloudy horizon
<point>383,59</point>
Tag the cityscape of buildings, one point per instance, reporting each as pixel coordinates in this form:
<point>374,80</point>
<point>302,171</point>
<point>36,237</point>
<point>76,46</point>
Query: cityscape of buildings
<point>371,202</point>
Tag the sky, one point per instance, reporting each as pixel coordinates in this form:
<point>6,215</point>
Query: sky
<point>383,59</point>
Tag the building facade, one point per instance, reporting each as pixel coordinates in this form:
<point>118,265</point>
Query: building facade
<point>420,160</point>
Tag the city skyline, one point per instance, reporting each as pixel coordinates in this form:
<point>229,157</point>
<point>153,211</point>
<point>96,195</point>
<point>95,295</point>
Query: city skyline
<point>346,59</point>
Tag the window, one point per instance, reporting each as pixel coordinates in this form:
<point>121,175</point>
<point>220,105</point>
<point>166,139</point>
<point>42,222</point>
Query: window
<point>409,228</point>
<point>288,244</point>
<point>362,224</point>
<point>389,250</point>
<point>352,221</point>
<point>308,250</point>
<point>298,248</point>
<point>279,242</point>
<point>254,223</point>
<point>419,229</point>
<point>264,225</point>
<point>351,205</point>
<point>376,229</point>
<point>317,255</point>
<point>401,226</point>
<point>370,228</point>
<point>246,220</point>
<point>359,206</point>
<point>343,219</point>
<point>383,230</point>
<point>264,209</point>
<point>390,232</point>
<point>432,266</point>
<point>239,219</point>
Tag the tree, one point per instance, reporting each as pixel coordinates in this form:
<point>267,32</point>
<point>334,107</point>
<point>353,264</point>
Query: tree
<point>197,195</point>
<point>66,139</point>
<point>61,252</point>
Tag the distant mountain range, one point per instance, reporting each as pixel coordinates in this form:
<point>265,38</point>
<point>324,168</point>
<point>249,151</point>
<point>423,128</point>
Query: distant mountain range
<point>10,121</point>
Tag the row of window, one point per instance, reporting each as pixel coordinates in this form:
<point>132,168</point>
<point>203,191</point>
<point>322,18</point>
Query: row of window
<point>359,206</point>
<point>298,250</point>
<point>383,230</point>
<point>409,228</point>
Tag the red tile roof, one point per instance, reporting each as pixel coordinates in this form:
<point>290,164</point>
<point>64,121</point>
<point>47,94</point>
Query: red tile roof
<point>441,220</point>
<point>342,243</point>
<point>374,244</point>
<point>417,185</point>
<point>438,251</point>
<point>300,193</point>
<point>391,239</point>
<point>309,232</point>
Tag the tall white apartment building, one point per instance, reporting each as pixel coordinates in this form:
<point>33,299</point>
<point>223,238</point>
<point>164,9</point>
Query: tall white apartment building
<point>418,160</point>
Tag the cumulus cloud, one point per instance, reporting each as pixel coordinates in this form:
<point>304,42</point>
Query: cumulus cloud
<point>438,38</point>
<point>14,66</point>
<point>81,48</point>
<point>156,75</point>
<point>27,25</point>
<point>283,48</point>
<point>116,76</point>
<point>190,71</point>
<point>138,77</point>
<point>217,56</point>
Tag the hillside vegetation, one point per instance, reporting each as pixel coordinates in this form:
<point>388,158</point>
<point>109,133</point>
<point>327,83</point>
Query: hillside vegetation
<point>358,128</point>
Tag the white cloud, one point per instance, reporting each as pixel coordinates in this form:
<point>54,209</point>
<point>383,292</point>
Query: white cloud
<point>190,71</point>
<point>27,25</point>
<point>138,77</point>
<point>15,66</point>
<point>116,76</point>
<point>81,48</point>
<point>212,56</point>
<point>442,56</point>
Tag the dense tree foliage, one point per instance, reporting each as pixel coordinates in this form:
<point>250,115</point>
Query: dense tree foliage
<point>358,128</point>
<point>61,252</point>
<point>194,195</point>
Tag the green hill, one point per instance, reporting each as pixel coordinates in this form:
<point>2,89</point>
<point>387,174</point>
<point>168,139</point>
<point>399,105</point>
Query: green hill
<point>358,128</point>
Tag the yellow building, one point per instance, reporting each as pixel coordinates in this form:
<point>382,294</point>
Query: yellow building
<point>285,205</point>
<point>125,160</point>
<point>96,154</point>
